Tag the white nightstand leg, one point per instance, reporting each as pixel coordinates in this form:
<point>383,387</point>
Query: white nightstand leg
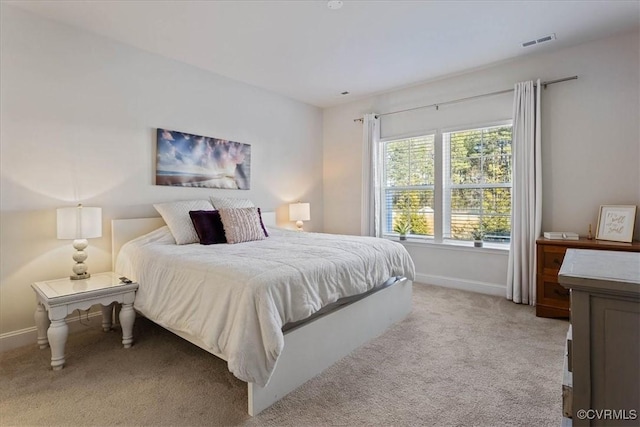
<point>42,324</point>
<point>107,315</point>
<point>57,333</point>
<point>127,317</point>
<point>116,312</point>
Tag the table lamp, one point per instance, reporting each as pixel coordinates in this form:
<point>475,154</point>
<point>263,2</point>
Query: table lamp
<point>79,223</point>
<point>299,212</point>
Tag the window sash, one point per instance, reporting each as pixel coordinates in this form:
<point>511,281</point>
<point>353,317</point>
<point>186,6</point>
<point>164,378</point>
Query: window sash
<point>458,221</point>
<point>414,183</point>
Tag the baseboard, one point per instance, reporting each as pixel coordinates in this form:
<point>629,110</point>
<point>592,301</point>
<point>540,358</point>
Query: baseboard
<point>462,284</point>
<point>28,336</point>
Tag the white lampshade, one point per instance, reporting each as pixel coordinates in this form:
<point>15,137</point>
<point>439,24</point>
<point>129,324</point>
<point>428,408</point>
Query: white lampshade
<point>79,222</point>
<point>299,212</point>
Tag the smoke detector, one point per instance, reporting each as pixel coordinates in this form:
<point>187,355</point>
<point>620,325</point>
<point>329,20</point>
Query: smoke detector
<point>540,40</point>
<point>334,4</point>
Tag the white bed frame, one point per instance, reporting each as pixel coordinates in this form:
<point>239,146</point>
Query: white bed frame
<point>312,347</point>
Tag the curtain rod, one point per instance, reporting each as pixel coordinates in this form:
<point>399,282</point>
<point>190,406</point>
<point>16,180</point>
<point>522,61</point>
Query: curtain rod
<point>500,92</point>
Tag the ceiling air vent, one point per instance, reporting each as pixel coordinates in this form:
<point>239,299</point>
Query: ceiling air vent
<point>540,40</point>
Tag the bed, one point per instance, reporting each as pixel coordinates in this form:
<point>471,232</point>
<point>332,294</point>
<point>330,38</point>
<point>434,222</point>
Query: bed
<point>281,361</point>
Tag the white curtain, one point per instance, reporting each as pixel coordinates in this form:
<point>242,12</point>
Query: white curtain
<point>370,225</point>
<point>526,206</point>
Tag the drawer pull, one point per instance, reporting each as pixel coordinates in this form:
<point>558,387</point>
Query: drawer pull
<point>561,292</point>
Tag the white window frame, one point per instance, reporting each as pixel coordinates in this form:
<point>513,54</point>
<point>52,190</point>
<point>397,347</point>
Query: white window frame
<point>383,187</point>
<point>441,170</point>
<point>446,170</point>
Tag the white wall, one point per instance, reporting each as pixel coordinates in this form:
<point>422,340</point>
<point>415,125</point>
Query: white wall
<point>590,143</point>
<point>79,112</point>
<point>78,122</point>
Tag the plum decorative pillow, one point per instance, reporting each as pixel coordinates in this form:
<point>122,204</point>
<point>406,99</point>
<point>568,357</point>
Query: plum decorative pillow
<point>230,202</point>
<point>176,215</point>
<point>242,225</point>
<point>209,228</point>
<point>262,224</point>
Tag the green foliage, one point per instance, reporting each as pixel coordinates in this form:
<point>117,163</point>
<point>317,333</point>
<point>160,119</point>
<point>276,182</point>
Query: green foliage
<point>477,233</point>
<point>481,157</point>
<point>411,208</point>
<point>420,225</point>
<point>402,227</point>
<point>409,162</point>
<point>410,168</point>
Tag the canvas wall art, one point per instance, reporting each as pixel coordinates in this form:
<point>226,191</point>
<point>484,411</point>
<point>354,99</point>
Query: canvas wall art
<point>187,160</point>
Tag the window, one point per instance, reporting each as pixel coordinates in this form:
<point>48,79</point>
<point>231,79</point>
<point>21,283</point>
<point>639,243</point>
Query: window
<point>408,185</point>
<point>477,183</point>
<point>469,189</point>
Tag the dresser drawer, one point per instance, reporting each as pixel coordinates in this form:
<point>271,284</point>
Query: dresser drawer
<point>552,257</point>
<point>552,290</point>
<point>553,300</point>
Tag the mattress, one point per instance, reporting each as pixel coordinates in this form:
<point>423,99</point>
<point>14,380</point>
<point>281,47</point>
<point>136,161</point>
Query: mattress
<point>235,299</point>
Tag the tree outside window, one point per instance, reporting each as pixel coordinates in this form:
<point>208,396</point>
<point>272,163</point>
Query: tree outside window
<point>478,186</point>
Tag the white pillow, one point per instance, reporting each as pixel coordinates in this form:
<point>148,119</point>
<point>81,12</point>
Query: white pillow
<point>241,225</point>
<point>230,202</point>
<point>176,215</point>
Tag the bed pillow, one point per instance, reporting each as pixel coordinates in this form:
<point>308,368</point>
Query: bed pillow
<point>176,215</point>
<point>242,225</point>
<point>209,228</point>
<point>230,202</point>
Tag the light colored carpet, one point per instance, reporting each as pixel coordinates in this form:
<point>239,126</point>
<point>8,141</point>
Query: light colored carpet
<point>459,359</point>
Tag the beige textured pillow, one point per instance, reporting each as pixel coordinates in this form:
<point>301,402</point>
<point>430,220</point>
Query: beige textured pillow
<point>241,225</point>
<point>176,215</point>
<point>230,202</point>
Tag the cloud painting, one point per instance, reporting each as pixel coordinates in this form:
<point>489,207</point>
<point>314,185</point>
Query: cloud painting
<point>186,160</point>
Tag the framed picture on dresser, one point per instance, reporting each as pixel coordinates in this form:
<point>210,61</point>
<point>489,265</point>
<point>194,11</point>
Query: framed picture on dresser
<point>616,222</point>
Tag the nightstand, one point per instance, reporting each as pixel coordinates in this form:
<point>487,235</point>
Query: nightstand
<point>61,297</point>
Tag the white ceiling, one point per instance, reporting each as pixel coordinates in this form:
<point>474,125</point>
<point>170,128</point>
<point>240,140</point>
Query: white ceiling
<point>304,50</point>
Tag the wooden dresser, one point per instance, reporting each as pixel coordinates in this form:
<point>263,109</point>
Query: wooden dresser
<point>552,300</point>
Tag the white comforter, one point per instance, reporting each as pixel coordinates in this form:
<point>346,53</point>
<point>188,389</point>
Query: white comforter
<point>235,298</point>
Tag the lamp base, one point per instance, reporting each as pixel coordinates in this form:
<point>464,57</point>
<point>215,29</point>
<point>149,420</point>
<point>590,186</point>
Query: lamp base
<point>80,268</point>
<point>299,225</point>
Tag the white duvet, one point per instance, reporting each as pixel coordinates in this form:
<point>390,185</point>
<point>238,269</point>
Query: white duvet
<point>235,298</point>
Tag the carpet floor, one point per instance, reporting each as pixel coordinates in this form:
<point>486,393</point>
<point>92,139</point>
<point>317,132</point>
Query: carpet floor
<point>459,359</point>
